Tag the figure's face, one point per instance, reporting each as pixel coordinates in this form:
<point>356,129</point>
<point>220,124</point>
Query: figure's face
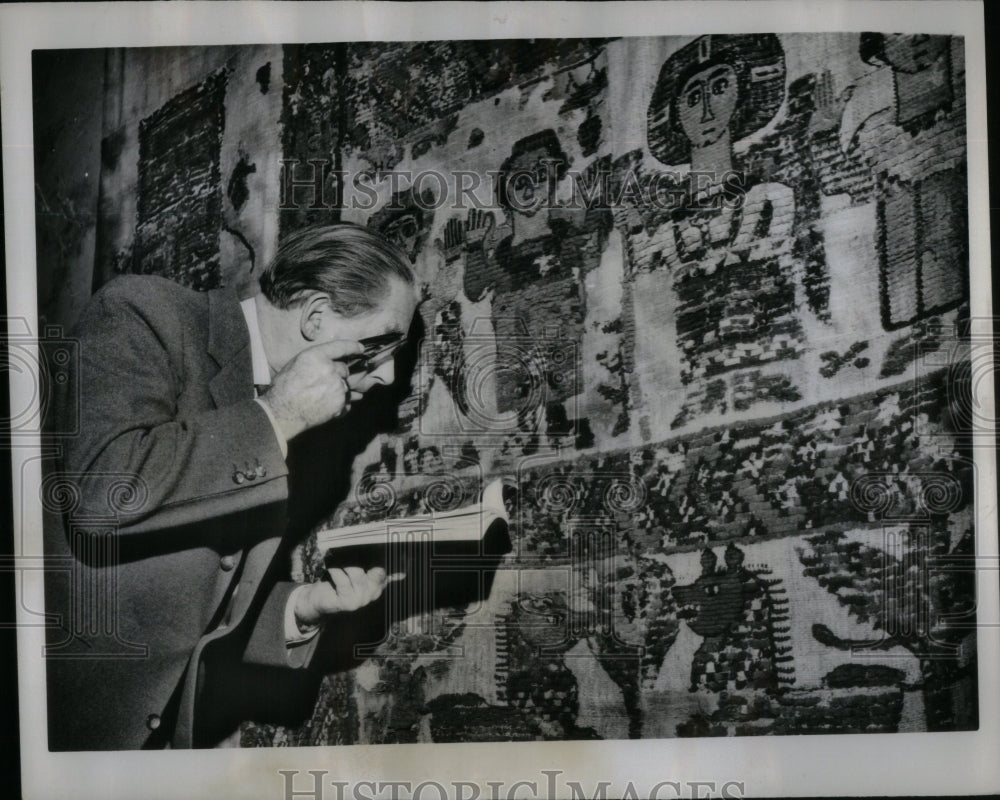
<point>393,314</point>
<point>527,181</point>
<point>404,232</point>
<point>913,53</point>
<point>706,104</point>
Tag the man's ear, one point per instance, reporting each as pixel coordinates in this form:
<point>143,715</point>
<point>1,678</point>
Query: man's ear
<point>315,316</point>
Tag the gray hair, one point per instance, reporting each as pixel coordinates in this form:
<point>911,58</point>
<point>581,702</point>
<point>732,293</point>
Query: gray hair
<point>351,264</point>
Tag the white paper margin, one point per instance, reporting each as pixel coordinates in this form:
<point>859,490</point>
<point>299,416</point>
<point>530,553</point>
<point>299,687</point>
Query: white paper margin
<point>876,764</point>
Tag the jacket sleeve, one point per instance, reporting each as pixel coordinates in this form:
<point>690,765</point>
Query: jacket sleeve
<point>136,456</point>
<point>267,645</point>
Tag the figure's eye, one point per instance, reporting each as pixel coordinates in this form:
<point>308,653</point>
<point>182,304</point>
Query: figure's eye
<point>720,85</point>
<point>694,98</point>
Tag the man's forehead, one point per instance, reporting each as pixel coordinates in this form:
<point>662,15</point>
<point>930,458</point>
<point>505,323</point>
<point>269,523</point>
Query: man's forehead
<point>395,312</point>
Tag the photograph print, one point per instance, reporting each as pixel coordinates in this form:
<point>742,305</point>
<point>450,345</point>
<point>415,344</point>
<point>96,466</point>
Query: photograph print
<point>671,332</point>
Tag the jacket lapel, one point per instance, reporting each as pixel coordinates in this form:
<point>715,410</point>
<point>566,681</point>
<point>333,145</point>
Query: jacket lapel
<point>229,345</point>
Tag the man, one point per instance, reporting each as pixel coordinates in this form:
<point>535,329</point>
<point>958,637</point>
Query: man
<point>194,411</point>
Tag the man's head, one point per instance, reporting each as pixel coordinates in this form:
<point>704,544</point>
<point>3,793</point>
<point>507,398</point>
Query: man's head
<point>338,282</point>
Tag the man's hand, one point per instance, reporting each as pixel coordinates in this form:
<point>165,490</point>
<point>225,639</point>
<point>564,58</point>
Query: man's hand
<point>349,589</point>
<point>312,388</point>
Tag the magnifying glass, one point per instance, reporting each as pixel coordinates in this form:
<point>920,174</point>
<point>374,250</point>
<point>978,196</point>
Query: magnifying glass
<point>378,350</point>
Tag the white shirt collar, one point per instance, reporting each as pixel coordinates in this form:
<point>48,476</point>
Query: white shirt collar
<point>261,369</point>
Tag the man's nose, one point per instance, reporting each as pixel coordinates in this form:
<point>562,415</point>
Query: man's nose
<point>385,374</point>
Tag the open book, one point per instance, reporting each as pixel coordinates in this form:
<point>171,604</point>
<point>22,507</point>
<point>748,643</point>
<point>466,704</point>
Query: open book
<point>468,524</point>
<point>449,559</point>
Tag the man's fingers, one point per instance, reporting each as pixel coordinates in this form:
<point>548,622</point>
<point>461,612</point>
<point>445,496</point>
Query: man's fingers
<point>357,576</point>
<point>341,370</point>
<point>338,348</point>
<point>346,393</point>
<point>354,587</point>
<point>341,582</point>
<point>373,582</point>
<point>378,580</point>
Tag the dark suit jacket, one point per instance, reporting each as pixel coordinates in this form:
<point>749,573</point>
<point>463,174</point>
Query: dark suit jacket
<point>177,516</point>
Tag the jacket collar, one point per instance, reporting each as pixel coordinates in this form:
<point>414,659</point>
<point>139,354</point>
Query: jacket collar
<point>229,346</point>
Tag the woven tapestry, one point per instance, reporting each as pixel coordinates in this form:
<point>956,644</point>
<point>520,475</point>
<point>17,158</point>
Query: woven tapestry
<point>702,303</point>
